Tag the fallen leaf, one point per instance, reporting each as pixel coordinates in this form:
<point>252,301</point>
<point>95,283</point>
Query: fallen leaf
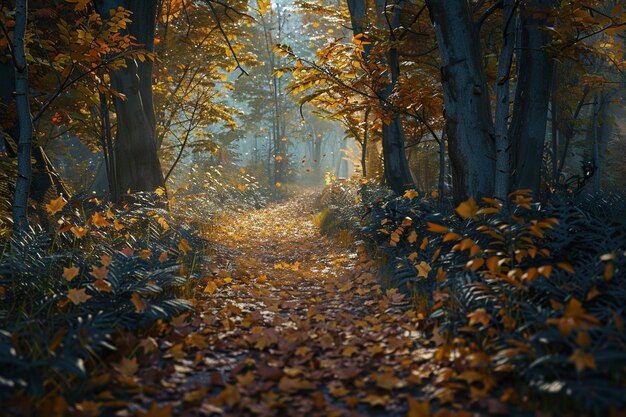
<point>70,273</point>
<point>78,296</point>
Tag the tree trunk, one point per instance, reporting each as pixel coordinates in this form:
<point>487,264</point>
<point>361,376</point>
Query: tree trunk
<point>603,136</point>
<point>554,113</point>
<point>503,160</point>
<point>364,143</point>
<point>469,126</point>
<point>441,180</point>
<point>24,144</point>
<point>530,110</point>
<point>396,169</point>
<point>136,160</point>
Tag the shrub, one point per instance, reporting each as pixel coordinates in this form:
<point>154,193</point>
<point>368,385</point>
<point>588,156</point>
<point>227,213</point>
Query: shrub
<point>536,289</point>
<point>65,292</point>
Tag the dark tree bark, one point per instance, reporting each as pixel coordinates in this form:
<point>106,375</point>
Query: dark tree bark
<point>532,96</point>
<point>469,125</point>
<point>503,160</point>
<point>44,176</point>
<point>396,168</point>
<point>136,160</point>
<point>25,122</point>
<point>601,138</point>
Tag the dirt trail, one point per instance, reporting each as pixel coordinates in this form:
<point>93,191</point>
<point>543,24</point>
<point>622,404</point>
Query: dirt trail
<point>289,325</point>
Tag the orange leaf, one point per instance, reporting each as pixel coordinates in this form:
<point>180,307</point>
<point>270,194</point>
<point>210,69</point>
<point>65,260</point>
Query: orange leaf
<point>436,228</point>
<point>99,272</point>
<point>70,273</point>
<point>210,287</point>
<point>467,209</point>
<point>582,360</point>
<point>479,316</point>
<point>184,246</point>
<point>56,205</point>
<point>79,231</point>
<point>138,302</point>
<point>99,220</point>
<point>78,296</point>
<point>565,266</point>
<point>411,194</point>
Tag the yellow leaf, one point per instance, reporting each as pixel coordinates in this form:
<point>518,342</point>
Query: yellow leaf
<point>160,191</point>
<point>242,170</point>
<point>70,273</point>
<point>410,194</point>
<point>56,205</point>
<point>210,288</point>
<point>163,223</point>
<point>79,231</point>
<point>78,296</point>
<point>145,254</point>
<point>467,209</point>
<point>99,220</point>
<point>423,269</point>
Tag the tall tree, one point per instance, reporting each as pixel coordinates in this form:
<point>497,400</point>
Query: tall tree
<point>136,160</point>
<point>505,61</point>
<point>532,95</point>
<point>396,169</point>
<point>469,125</point>
<point>24,144</point>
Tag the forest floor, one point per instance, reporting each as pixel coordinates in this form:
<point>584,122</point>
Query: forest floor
<point>289,324</point>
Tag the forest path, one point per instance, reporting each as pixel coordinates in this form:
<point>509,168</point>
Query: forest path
<point>289,324</point>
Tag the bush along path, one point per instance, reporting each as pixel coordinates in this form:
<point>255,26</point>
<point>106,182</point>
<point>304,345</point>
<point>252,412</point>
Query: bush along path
<point>288,323</point>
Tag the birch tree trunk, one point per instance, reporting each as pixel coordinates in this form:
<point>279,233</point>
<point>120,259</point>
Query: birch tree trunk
<point>530,110</point>
<point>24,144</point>
<point>469,125</point>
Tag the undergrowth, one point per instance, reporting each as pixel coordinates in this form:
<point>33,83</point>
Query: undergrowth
<point>65,292</point>
<point>525,302</point>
